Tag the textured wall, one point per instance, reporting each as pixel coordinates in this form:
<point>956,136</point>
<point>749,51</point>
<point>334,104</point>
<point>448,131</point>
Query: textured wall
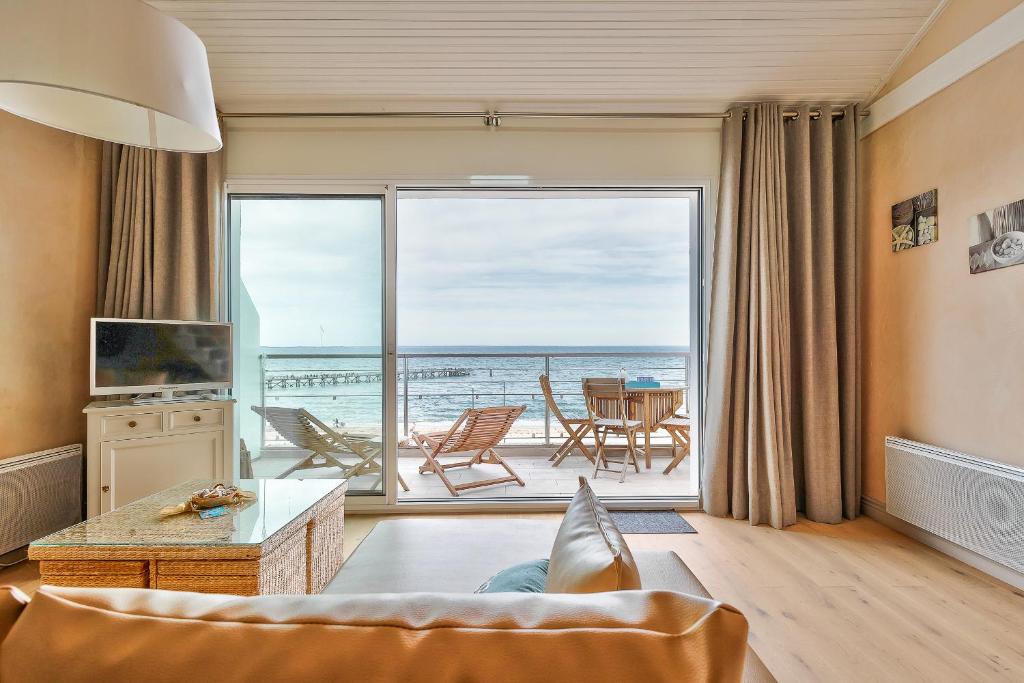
<point>49,211</point>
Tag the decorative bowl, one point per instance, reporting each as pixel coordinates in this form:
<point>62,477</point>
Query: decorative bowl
<point>1009,247</point>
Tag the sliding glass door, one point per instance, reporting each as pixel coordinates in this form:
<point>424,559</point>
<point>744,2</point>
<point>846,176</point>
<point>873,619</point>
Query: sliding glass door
<point>306,286</point>
<point>496,288</point>
<point>362,319</point>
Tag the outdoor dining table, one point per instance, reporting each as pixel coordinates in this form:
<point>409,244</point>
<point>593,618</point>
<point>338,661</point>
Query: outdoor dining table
<point>650,405</point>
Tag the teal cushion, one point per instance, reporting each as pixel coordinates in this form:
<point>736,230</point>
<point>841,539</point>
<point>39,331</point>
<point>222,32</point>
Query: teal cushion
<point>528,577</point>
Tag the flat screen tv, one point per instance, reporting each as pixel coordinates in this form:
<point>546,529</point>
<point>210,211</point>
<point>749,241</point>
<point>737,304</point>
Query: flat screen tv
<point>158,356</point>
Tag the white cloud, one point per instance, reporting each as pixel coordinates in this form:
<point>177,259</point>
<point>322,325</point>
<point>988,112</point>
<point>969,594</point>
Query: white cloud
<point>311,263</point>
<point>543,271</point>
<point>471,271</point>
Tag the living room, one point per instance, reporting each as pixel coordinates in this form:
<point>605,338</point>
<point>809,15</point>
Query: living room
<point>627,340</point>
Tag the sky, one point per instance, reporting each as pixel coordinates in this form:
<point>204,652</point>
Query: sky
<point>496,271</point>
<point>313,263</point>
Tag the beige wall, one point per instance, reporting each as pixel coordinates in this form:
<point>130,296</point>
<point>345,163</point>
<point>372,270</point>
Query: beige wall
<point>49,193</point>
<point>941,347</point>
<point>382,150</point>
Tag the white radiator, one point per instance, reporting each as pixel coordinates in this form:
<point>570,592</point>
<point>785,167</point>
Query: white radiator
<point>977,504</point>
<point>39,493</point>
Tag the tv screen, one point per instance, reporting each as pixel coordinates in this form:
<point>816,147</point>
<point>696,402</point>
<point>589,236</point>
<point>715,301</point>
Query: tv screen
<point>143,355</point>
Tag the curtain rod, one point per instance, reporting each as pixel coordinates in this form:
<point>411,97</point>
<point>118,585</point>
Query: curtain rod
<point>493,118</point>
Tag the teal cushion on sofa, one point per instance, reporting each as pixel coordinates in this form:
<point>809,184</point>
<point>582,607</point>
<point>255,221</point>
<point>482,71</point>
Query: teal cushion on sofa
<point>528,577</point>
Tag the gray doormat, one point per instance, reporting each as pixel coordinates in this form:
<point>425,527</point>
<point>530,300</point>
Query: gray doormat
<point>651,522</point>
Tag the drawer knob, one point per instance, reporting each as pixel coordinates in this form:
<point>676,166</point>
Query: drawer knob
<point>106,489</point>
<point>197,418</point>
<point>132,423</point>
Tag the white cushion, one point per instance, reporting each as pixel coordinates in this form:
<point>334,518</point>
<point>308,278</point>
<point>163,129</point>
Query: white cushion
<point>589,554</point>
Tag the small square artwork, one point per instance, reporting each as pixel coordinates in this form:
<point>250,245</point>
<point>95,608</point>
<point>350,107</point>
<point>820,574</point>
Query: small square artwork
<point>916,221</point>
<point>997,238</point>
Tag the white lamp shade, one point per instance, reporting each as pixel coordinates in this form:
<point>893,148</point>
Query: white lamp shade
<point>118,70</point>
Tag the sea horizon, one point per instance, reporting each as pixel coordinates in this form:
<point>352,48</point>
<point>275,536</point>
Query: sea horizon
<point>484,348</point>
<point>433,389</point>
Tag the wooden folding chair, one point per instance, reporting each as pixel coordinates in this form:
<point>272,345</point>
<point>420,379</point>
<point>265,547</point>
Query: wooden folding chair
<point>305,431</point>
<point>600,393</point>
<point>576,428</point>
<point>477,430</point>
<point>678,427</point>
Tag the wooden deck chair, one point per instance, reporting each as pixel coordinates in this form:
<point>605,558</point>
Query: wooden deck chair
<point>478,430</point>
<point>576,428</point>
<point>678,427</point>
<point>602,393</point>
<point>303,430</point>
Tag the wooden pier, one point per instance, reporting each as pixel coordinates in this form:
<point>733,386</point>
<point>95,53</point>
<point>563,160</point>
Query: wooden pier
<point>331,378</point>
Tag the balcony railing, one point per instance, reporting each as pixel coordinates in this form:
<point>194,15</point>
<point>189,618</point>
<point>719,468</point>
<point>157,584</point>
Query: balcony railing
<point>346,390</point>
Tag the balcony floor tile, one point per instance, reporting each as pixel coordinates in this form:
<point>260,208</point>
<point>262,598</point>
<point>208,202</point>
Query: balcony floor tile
<point>531,463</point>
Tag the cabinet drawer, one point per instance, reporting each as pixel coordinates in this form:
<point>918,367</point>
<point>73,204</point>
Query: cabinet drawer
<point>190,419</point>
<point>116,426</point>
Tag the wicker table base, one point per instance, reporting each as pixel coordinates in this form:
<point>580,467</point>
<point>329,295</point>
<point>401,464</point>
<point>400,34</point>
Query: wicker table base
<point>288,541</point>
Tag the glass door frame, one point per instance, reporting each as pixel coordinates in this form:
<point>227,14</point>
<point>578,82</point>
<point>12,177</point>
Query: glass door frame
<point>240,189</point>
<point>297,186</point>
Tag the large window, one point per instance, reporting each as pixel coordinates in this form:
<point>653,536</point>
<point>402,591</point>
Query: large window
<point>363,319</point>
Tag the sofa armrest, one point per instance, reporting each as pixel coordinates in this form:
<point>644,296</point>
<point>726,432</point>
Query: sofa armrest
<point>664,570</point>
<point>12,602</point>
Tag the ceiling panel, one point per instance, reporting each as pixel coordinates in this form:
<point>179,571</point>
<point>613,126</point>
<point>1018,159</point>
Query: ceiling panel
<point>306,55</point>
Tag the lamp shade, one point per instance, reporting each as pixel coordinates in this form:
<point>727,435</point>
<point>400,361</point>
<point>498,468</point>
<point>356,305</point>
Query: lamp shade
<point>118,70</point>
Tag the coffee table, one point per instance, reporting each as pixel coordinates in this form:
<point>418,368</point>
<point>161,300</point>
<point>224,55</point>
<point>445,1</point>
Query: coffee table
<point>289,540</point>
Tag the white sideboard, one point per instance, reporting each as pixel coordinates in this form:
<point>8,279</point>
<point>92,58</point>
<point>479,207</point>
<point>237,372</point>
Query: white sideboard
<point>135,450</point>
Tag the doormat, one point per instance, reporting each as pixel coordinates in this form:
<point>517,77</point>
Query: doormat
<point>651,522</point>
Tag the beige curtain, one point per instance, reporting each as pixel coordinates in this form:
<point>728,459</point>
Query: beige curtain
<point>159,253</point>
<point>781,429</point>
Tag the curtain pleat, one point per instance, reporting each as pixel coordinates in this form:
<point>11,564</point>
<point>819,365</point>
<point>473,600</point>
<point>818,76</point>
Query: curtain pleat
<point>847,256</point>
<point>159,217</point>
<point>781,427</point>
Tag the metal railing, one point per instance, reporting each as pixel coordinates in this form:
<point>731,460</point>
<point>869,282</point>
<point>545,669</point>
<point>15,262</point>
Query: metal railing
<point>448,383</point>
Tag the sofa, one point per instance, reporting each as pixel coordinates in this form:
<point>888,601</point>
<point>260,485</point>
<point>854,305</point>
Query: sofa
<point>457,555</point>
<point>402,608</point>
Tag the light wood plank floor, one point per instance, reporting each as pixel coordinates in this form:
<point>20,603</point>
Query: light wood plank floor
<point>849,602</point>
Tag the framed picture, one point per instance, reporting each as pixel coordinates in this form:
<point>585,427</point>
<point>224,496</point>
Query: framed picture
<point>997,238</point>
<point>915,221</point>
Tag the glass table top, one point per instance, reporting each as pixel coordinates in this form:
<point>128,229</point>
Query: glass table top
<point>278,502</point>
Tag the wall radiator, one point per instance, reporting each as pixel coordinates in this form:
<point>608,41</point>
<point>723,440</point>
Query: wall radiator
<point>39,493</point>
<point>977,504</point>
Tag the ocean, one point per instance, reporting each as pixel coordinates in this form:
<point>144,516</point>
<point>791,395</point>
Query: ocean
<point>443,381</point>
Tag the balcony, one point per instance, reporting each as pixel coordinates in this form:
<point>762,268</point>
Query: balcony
<point>345,392</point>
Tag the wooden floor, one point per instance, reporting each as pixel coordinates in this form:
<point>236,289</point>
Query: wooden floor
<point>850,602</point>
<point>856,602</point>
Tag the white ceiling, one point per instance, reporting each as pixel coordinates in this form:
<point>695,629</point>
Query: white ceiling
<point>307,55</point>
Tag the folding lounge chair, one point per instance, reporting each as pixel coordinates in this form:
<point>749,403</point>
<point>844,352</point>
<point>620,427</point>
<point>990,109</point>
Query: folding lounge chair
<point>576,428</point>
<point>478,430</point>
<point>305,431</point>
